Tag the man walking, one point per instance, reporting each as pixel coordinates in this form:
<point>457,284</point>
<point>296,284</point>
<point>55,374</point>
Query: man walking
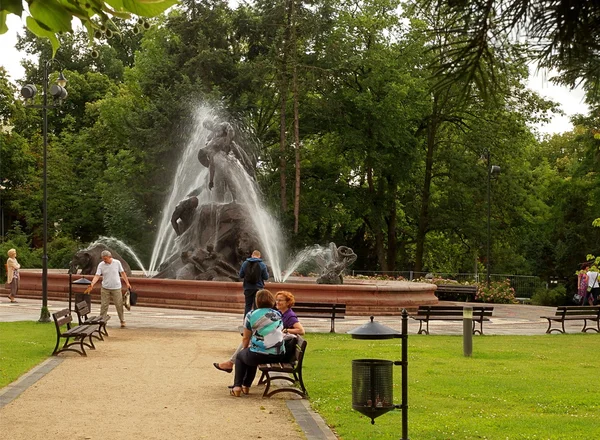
<point>111,271</point>
<point>254,273</point>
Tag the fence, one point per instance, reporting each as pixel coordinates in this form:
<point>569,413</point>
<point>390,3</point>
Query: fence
<point>524,285</point>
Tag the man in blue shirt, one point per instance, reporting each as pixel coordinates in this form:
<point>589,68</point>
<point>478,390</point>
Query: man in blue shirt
<point>254,273</point>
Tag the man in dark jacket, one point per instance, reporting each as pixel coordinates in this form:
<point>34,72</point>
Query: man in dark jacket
<point>254,273</point>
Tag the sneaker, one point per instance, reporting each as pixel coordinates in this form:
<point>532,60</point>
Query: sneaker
<point>123,324</point>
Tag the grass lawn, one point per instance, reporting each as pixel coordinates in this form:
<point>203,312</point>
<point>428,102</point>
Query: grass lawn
<point>513,387</point>
<point>23,345</point>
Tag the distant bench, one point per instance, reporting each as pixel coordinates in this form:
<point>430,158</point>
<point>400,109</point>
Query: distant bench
<point>574,313</point>
<point>456,292</point>
<point>451,313</point>
<point>321,310</point>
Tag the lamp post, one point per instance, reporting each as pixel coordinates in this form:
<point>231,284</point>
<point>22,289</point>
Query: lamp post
<point>492,171</point>
<point>58,93</point>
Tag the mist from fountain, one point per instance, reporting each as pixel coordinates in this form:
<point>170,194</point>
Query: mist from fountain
<point>308,254</point>
<point>192,176</point>
<point>115,242</point>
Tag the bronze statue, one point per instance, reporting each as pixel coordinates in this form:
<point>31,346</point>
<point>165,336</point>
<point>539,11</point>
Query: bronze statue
<point>331,270</point>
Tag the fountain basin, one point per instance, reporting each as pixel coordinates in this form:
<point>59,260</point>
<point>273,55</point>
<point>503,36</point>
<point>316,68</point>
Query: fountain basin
<point>362,297</point>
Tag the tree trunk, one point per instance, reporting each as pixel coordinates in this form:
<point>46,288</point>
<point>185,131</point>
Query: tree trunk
<point>376,225</point>
<point>283,91</point>
<point>293,43</point>
<point>432,127</point>
<point>392,240</point>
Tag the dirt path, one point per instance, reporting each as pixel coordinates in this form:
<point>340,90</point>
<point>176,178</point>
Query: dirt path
<point>146,384</point>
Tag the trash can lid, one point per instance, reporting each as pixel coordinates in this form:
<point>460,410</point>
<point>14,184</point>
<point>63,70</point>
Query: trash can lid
<point>374,330</point>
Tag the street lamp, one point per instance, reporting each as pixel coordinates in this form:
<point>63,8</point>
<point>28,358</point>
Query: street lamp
<point>492,171</point>
<point>59,93</point>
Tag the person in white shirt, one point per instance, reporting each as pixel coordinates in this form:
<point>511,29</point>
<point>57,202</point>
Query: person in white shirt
<point>111,271</point>
<point>594,284</point>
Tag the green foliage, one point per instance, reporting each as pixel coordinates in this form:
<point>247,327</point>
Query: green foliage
<point>499,292</point>
<point>60,252</point>
<point>23,346</point>
<point>550,297</point>
<point>21,242</point>
<point>449,394</point>
<point>50,18</point>
<point>388,167</point>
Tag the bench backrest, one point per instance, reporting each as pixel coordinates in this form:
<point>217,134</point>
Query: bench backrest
<point>478,311</point>
<point>312,310</point>
<point>300,350</point>
<point>578,311</point>
<point>461,288</point>
<point>82,310</point>
<point>62,317</point>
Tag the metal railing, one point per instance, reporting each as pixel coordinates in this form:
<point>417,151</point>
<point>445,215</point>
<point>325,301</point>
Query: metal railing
<point>524,285</point>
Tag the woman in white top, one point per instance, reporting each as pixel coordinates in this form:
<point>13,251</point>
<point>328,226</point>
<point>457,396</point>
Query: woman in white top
<point>12,272</point>
<point>594,284</point>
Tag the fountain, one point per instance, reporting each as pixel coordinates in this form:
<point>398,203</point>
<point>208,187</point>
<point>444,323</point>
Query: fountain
<point>214,218</point>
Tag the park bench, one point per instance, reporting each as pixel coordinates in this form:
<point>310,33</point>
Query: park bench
<point>283,370</point>
<point>82,309</point>
<point>451,313</point>
<point>78,334</point>
<point>574,313</point>
<point>456,292</point>
<point>321,310</point>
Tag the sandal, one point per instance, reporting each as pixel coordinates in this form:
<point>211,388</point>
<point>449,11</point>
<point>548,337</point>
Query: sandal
<point>218,367</point>
<point>245,390</point>
<point>235,391</point>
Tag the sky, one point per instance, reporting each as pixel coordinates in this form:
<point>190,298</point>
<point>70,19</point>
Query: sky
<point>572,101</point>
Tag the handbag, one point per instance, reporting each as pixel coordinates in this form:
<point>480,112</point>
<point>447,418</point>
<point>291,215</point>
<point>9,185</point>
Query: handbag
<point>132,297</point>
<point>577,298</point>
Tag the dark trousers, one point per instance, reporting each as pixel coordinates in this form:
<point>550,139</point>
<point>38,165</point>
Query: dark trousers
<point>250,297</point>
<point>594,293</point>
<point>246,364</point>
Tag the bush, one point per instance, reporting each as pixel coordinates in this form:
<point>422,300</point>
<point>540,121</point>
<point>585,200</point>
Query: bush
<point>499,292</point>
<point>61,251</point>
<point>550,297</point>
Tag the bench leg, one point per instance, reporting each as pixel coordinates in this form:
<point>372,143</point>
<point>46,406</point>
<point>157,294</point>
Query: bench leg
<point>263,378</point>
<point>421,329</point>
<point>586,328</point>
<point>550,329</point>
<point>296,379</point>
<point>480,331</point>
<point>67,346</point>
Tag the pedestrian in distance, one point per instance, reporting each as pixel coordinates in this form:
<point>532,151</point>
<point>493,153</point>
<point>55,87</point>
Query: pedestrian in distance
<point>593,285</point>
<point>111,270</point>
<point>254,273</point>
<point>582,283</point>
<point>12,275</point>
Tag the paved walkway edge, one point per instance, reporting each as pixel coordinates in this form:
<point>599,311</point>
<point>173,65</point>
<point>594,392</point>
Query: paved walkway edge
<point>13,390</point>
<point>311,423</point>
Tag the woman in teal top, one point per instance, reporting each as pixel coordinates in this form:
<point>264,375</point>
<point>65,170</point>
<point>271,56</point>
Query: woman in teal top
<point>262,341</point>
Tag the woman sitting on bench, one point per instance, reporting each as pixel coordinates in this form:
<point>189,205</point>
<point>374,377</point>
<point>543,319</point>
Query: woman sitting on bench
<point>262,340</point>
<point>284,301</point>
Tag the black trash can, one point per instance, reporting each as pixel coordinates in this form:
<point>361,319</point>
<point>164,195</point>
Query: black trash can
<point>372,387</point>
